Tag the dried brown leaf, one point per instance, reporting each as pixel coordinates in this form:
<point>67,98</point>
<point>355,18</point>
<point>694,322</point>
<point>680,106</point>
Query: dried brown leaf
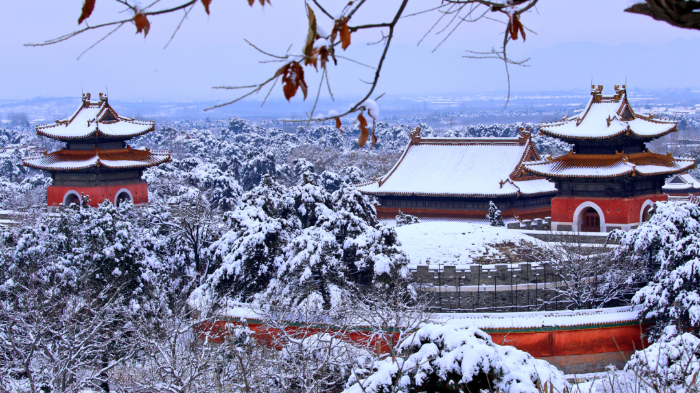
<point>251,2</point>
<point>364,132</point>
<point>344,33</point>
<point>311,35</point>
<point>338,124</point>
<point>323,55</point>
<point>364,135</point>
<point>312,59</point>
<point>293,79</point>
<point>142,24</point>
<point>206,5</point>
<point>374,137</point>
<point>88,6</point>
<point>362,120</point>
<point>515,27</point>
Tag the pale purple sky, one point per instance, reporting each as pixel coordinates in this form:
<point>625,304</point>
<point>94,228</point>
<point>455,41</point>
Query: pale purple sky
<point>210,51</point>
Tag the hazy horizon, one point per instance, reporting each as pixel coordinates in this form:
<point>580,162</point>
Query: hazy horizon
<point>599,42</point>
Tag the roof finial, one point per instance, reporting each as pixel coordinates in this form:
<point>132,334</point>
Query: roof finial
<point>415,135</point>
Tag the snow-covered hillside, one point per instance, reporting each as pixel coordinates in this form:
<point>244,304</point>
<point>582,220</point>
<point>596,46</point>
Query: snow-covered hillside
<point>461,243</point>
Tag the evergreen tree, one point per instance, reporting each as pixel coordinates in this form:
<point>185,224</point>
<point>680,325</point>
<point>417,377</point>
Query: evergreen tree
<point>302,242</point>
<point>669,245</point>
<point>405,219</point>
<point>494,216</point>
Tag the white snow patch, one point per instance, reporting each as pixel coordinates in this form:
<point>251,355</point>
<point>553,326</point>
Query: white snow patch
<point>455,243</point>
<point>372,108</point>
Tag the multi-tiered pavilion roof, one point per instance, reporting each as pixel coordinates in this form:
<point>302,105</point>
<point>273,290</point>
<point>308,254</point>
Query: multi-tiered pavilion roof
<point>98,123</point>
<point>611,122</point>
<point>96,161</point>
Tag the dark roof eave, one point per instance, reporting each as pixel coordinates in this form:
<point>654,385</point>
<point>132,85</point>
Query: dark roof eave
<point>449,195</point>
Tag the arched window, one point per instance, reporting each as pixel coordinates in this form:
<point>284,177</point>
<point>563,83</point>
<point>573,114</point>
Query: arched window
<point>590,220</point>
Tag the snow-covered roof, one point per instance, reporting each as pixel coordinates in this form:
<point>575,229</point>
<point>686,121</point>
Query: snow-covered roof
<point>65,160</point>
<point>606,117</point>
<point>497,322</point>
<point>681,182</point>
<point>462,167</point>
<point>542,319</point>
<point>95,118</point>
<point>609,165</point>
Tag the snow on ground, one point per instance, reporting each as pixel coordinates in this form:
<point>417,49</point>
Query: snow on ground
<point>461,243</point>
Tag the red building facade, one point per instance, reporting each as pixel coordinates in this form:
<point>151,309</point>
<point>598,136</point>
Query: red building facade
<point>609,180</point>
<point>96,161</point>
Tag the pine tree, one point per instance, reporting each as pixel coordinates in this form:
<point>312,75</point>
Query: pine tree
<point>494,216</point>
<point>669,245</point>
<point>302,242</point>
<point>405,219</point>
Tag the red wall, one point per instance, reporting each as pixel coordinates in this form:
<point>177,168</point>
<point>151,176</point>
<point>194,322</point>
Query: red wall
<point>139,191</point>
<point>573,342</point>
<point>572,349</point>
<point>616,210</point>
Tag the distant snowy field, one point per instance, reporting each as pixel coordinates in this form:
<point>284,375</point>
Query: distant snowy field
<point>460,243</point>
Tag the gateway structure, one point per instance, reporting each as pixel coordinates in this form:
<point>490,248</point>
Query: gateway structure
<point>458,177</point>
<point>609,180</point>
<point>96,160</point>
<point>682,187</point>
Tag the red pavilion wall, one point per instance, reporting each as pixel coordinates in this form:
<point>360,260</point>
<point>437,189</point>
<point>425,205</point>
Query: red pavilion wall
<point>574,349</point>
<point>139,192</point>
<point>616,210</point>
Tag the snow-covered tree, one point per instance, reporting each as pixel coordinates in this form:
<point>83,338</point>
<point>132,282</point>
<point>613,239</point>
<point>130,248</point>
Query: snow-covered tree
<point>69,285</point>
<point>669,245</point>
<point>672,364</point>
<point>255,167</point>
<point>405,219</point>
<point>303,242</point>
<point>588,275</point>
<point>440,358</point>
<point>494,216</point>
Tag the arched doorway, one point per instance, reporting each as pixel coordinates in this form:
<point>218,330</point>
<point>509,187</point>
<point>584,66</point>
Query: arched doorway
<point>122,197</point>
<point>647,213</point>
<point>590,220</point>
<point>71,198</point>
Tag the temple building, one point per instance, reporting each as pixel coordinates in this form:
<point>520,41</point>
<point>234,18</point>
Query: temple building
<point>96,161</point>
<point>458,177</point>
<point>682,187</point>
<point>609,180</point>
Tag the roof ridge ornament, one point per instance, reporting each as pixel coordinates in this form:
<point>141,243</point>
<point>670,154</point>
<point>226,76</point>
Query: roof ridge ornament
<point>415,136</point>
